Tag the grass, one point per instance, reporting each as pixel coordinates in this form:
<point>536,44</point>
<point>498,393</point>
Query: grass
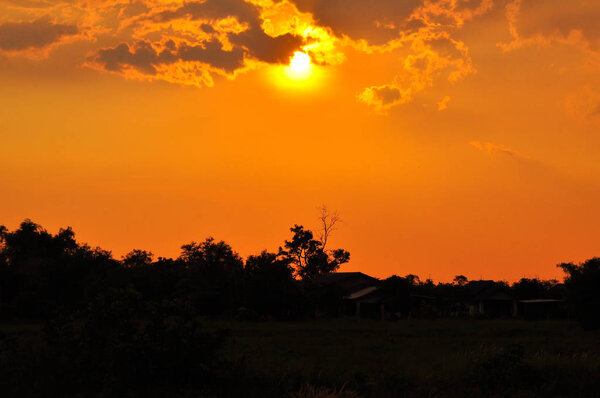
<point>446,358</point>
<point>556,357</point>
<point>416,346</point>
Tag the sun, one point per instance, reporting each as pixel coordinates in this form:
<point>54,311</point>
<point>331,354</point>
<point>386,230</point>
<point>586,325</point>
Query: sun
<point>300,63</point>
<point>301,75</point>
<point>300,67</point>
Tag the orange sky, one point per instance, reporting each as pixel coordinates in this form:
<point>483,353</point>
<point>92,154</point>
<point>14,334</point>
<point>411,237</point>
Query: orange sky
<point>452,136</point>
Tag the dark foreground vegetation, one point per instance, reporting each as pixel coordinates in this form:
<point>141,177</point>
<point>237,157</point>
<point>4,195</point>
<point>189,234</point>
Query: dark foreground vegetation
<point>76,322</point>
<point>343,357</point>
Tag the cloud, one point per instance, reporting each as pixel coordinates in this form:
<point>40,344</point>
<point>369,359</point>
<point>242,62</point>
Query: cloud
<point>433,56</point>
<point>206,38</point>
<point>176,63</point>
<point>377,22</point>
<point>424,35</point>
<point>28,3</point>
<point>443,104</point>
<point>492,148</point>
<point>270,31</point>
<point>194,42</point>
<point>382,21</point>
<point>383,97</point>
<point>549,22</point>
<point>38,34</point>
<point>584,106</point>
<point>556,24</point>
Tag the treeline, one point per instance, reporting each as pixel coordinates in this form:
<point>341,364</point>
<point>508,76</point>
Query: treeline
<point>43,275</point>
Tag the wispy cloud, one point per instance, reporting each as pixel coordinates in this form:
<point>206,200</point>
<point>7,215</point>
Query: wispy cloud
<point>491,148</point>
<point>443,104</point>
<point>584,106</point>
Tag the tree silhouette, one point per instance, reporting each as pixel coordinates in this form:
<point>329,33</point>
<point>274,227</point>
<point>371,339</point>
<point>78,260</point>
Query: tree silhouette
<point>583,291</point>
<point>50,272</point>
<point>534,288</point>
<point>271,289</point>
<point>396,292</point>
<point>460,280</point>
<point>328,223</point>
<point>137,258</point>
<point>214,276</point>
<point>413,279</point>
<point>309,256</point>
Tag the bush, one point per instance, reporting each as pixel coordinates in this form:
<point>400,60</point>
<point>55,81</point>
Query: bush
<point>120,346</point>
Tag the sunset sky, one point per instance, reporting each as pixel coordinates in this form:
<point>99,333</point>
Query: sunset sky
<point>452,136</point>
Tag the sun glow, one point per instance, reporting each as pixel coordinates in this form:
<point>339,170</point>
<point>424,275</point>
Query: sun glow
<point>300,67</point>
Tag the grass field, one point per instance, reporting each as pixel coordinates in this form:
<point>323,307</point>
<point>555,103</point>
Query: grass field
<point>424,356</point>
<point>435,358</point>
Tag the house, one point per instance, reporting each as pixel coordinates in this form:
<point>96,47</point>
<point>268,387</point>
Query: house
<point>366,303</point>
<point>346,282</point>
<point>360,295</point>
<point>491,299</point>
<point>363,296</point>
<point>549,303</point>
<point>345,293</point>
<point>542,308</point>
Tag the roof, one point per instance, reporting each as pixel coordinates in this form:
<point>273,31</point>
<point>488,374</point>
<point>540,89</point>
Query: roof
<point>535,301</point>
<point>422,296</point>
<point>361,293</point>
<point>347,282</point>
<point>338,276</point>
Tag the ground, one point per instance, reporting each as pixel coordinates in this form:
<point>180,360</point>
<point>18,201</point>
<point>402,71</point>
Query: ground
<point>364,358</point>
<point>556,356</point>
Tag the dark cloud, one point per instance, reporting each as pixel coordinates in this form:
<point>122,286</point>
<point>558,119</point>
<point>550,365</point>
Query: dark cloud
<point>212,9</point>
<point>212,53</point>
<point>387,94</point>
<point>225,51</point>
<point>19,36</point>
<point>143,57</point>
<point>274,50</point>
<point>539,16</point>
<point>380,21</point>
<point>382,98</point>
<point>553,21</point>
<point>444,47</point>
<point>254,40</point>
<point>377,21</point>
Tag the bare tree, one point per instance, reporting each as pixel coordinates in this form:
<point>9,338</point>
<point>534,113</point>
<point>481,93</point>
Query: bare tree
<point>328,222</point>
